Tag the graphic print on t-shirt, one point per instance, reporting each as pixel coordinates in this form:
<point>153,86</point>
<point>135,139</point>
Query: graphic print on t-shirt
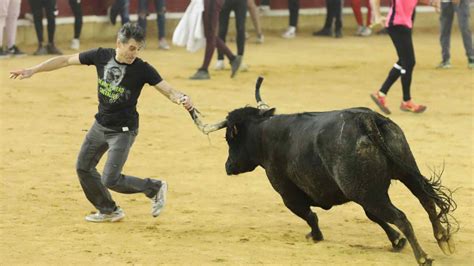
<point>109,87</point>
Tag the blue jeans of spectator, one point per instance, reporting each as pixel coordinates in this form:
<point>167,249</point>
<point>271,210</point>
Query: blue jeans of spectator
<point>160,7</point>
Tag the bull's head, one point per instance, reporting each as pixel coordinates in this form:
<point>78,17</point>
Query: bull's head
<point>241,136</point>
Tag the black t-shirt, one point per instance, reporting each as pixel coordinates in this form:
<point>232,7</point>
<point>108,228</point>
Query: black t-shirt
<point>119,86</point>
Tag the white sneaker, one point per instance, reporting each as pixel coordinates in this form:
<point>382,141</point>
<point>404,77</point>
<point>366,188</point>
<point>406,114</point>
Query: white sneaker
<point>264,10</point>
<point>243,67</point>
<point>99,217</point>
<point>219,65</point>
<point>359,30</point>
<point>366,31</point>
<point>75,44</point>
<point>260,39</point>
<point>159,200</point>
<point>290,33</point>
<point>29,17</point>
<point>163,45</point>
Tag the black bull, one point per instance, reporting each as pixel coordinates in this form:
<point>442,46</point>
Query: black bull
<point>324,159</point>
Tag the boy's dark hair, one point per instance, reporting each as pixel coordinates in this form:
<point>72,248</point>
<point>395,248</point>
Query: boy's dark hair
<point>131,31</point>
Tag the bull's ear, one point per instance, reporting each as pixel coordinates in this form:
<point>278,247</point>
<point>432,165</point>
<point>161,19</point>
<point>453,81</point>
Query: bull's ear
<point>267,112</point>
<point>234,131</point>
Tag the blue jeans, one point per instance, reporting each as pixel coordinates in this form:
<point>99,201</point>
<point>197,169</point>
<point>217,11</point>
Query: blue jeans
<point>100,139</point>
<point>160,7</point>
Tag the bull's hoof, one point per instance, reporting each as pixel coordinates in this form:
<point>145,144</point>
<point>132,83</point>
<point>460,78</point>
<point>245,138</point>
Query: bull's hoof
<point>427,261</point>
<point>399,244</point>
<point>315,238</point>
<point>446,244</point>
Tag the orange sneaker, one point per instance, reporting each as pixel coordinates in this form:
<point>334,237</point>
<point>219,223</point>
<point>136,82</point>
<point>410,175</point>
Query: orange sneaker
<point>410,106</point>
<point>380,101</point>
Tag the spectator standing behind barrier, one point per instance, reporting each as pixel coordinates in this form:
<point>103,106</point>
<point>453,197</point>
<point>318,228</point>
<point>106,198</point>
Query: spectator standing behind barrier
<point>160,7</point>
<point>77,11</point>
<point>9,12</point>
<point>254,15</point>
<point>210,18</point>
<point>399,23</point>
<point>240,11</point>
<point>362,30</point>
<point>37,7</point>
<point>333,13</point>
<point>121,77</point>
<point>119,7</point>
<point>461,8</point>
<point>294,9</point>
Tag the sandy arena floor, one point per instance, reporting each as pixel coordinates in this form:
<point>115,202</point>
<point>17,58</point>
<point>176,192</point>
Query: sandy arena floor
<point>211,217</point>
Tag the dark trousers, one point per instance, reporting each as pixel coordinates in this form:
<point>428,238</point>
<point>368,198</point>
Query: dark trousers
<point>77,11</point>
<point>446,22</point>
<point>210,18</point>
<point>121,7</point>
<point>402,40</point>
<point>334,13</point>
<point>294,8</point>
<point>160,7</point>
<point>98,140</point>
<point>240,10</point>
<point>37,7</point>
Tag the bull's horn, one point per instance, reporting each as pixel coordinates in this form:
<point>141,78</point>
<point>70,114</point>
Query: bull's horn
<point>260,104</point>
<point>206,128</point>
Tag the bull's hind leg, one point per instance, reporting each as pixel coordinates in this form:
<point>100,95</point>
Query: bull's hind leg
<point>299,203</point>
<point>398,242</point>
<point>443,236</point>
<point>385,211</point>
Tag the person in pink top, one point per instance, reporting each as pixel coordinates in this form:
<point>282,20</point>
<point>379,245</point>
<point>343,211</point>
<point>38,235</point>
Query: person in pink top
<point>399,23</point>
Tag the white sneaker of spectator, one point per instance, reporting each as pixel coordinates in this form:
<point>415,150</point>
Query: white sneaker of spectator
<point>264,10</point>
<point>163,45</point>
<point>290,33</point>
<point>219,65</point>
<point>243,67</point>
<point>75,44</point>
<point>366,31</point>
<point>29,17</point>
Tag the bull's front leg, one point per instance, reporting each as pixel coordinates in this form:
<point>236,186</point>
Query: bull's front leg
<point>315,234</point>
<point>304,212</point>
<point>299,203</point>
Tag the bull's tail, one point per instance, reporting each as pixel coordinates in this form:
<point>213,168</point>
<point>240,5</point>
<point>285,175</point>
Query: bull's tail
<point>428,191</point>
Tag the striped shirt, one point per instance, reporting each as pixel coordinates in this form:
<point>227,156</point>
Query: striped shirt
<point>401,13</point>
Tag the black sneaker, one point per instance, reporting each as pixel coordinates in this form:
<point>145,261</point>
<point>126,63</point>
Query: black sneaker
<point>41,50</point>
<point>324,32</point>
<point>201,74</point>
<point>235,65</point>
<point>14,51</point>
<point>338,34</point>
<point>52,49</point>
